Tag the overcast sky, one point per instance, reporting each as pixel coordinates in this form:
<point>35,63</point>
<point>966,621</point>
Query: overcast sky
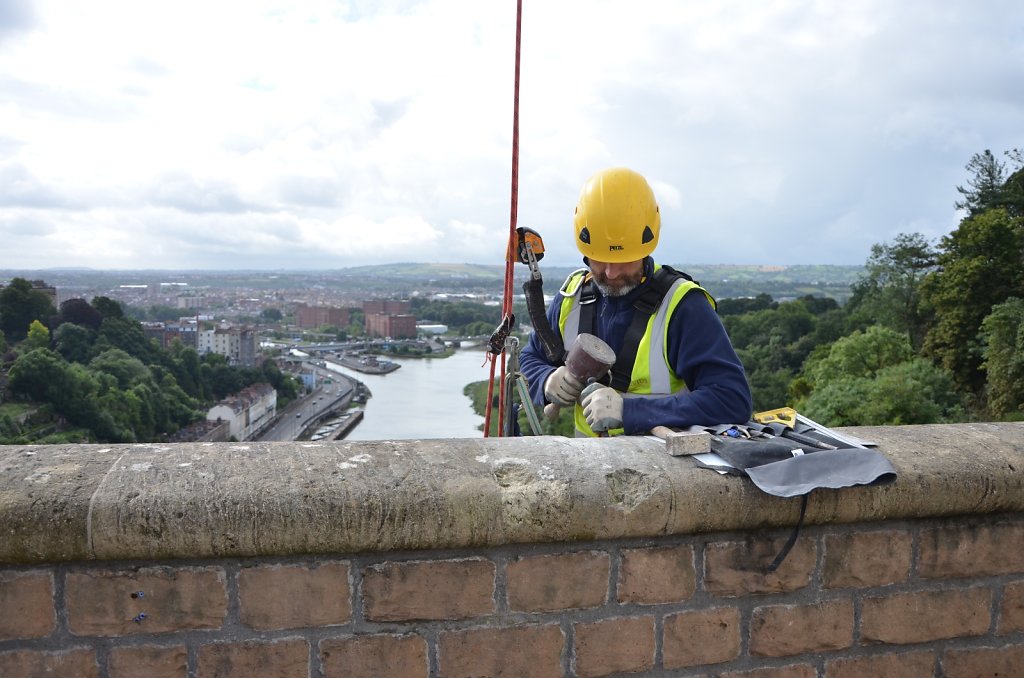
<point>317,134</point>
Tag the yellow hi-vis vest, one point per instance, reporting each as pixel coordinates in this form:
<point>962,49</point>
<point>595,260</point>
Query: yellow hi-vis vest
<point>652,375</point>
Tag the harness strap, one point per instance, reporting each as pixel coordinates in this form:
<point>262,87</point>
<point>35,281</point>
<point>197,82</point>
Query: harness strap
<point>644,307</point>
<point>588,295</point>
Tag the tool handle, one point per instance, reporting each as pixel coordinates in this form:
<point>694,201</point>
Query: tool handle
<point>550,341</point>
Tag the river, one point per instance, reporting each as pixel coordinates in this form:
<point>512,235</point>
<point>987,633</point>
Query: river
<point>422,399</point>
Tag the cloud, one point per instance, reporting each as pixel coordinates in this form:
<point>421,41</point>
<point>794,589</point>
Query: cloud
<point>20,188</point>
<point>15,16</point>
<point>186,193</point>
<point>324,134</point>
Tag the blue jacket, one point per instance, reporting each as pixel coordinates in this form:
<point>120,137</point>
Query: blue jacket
<point>699,352</point>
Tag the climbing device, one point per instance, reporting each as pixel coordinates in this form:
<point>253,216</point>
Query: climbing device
<point>496,347</point>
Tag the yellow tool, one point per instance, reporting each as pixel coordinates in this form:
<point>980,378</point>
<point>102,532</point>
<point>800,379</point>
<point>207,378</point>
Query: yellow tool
<point>781,415</point>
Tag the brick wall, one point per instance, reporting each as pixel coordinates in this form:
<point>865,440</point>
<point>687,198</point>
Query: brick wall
<point>898,598</point>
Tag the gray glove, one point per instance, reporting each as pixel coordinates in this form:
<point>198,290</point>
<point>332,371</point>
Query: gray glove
<point>562,388</point>
<point>602,407</point>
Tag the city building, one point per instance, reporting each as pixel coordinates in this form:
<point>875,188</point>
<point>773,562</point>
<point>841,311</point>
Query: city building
<point>190,302</point>
<point>312,317</point>
<point>237,344</point>
<point>246,412</point>
<point>394,326</point>
<point>388,318</point>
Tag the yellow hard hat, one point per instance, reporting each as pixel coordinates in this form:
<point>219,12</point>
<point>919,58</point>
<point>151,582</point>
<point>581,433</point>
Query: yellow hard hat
<point>617,218</point>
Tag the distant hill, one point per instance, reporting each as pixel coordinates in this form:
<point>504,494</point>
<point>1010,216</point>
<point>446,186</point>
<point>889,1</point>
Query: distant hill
<point>403,279</point>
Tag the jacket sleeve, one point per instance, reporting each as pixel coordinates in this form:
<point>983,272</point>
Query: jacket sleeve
<point>700,352</point>
<point>533,363</point>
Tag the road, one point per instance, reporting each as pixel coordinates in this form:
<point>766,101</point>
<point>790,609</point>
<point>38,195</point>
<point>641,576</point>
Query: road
<point>309,409</point>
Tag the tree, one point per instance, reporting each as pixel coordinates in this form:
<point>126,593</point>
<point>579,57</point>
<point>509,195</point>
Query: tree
<point>3,342</point>
<point>107,307</point>
<point>890,291</point>
<point>20,304</point>
<point>871,378</point>
<point>127,370</point>
<point>38,336</point>
<point>271,315</point>
<point>984,185</point>
<point>981,265</point>
<point>79,312</point>
<point>1002,336</point>
<point>74,342</point>
<point>990,188</point>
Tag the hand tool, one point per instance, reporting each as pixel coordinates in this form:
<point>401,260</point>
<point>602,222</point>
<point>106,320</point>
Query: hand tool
<point>588,359</point>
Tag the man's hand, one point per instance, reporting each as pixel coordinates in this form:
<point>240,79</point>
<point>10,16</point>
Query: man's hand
<point>603,409</point>
<point>562,388</point>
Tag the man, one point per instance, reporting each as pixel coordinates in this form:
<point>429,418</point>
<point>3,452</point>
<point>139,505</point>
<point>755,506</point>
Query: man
<point>675,365</point>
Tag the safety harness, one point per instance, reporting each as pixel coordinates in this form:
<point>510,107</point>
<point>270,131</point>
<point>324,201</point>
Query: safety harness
<point>645,305</point>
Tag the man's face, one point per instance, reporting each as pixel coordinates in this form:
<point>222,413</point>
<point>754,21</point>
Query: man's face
<point>616,280</point>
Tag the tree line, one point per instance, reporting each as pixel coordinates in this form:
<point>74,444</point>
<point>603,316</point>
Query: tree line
<point>93,367</point>
<point>933,332</point>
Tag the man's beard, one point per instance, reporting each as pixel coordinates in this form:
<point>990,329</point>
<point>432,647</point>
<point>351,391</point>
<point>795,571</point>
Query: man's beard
<point>620,288</point>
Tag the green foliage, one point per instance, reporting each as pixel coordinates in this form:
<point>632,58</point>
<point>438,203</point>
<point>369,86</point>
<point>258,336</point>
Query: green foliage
<point>78,312</point>
<point>38,336</point>
<point>981,266</point>
<point>872,377</point>
<point>741,305</point>
<point>989,187</point>
<point>1002,337</point>
<point>126,369</point>
<point>911,392</point>
<point>20,304</point>
<point>107,307</point>
<point>271,315</point>
<point>890,290</point>
<point>774,340</point>
<point>861,354</point>
<point>3,342</point>
<point>74,342</point>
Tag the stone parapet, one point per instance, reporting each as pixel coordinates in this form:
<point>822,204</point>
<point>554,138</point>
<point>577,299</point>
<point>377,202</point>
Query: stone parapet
<point>214,500</point>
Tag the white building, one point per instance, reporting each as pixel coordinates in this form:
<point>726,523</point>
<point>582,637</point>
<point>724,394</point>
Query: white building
<point>238,345</point>
<point>247,411</point>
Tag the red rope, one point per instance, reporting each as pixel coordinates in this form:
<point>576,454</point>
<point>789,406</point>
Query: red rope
<point>510,252</point>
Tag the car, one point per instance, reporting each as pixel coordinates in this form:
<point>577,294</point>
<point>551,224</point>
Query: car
<point>298,414</point>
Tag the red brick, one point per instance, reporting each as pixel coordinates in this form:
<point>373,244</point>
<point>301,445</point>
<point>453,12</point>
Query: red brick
<point>373,656</point>
<point>924,616</point>
<point>701,637</point>
<point>785,630</point>
<point>623,645</point>
<point>149,661</point>
<point>656,575</point>
<point>987,661</point>
<point>792,671</point>
<point>517,652</point>
<point>80,663</point>
<point>433,589</point>
<point>971,551</point>
<point>894,665</point>
<point>862,559</point>
<point>294,596</point>
<point>27,604</point>
<point>737,568</point>
<point>558,582</point>
<point>1011,612</point>
<point>284,658</point>
<point>106,602</point>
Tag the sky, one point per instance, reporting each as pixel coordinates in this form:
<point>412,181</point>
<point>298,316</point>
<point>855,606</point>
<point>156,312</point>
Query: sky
<point>266,134</point>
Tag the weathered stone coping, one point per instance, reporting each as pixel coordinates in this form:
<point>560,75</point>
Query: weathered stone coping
<point>200,500</point>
